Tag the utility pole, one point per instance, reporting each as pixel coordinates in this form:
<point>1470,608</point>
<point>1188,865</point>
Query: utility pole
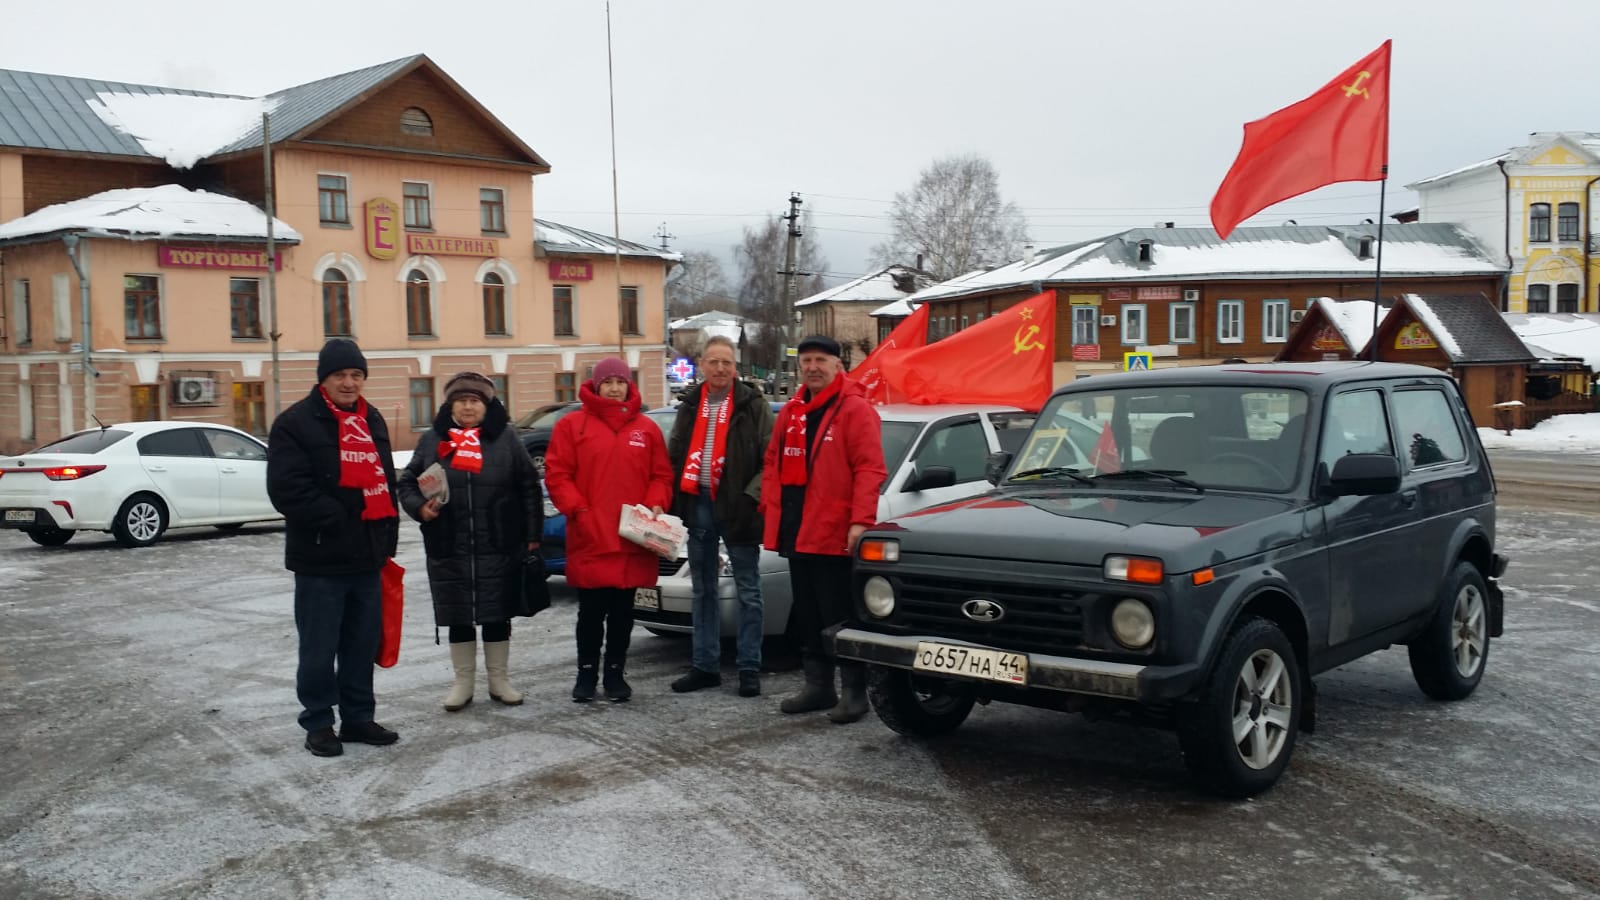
<point>792,325</point>
<point>662,234</point>
<point>272,268</point>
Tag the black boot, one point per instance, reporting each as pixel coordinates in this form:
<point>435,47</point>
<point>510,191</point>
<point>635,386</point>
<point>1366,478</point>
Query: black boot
<point>617,690</point>
<point>588,676</point>
<point>852,693</point>
<point>818,692</point>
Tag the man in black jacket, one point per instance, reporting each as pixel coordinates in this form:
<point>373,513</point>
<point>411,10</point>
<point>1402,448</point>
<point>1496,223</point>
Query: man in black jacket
<point>716,448</point>
<point>330,473</point>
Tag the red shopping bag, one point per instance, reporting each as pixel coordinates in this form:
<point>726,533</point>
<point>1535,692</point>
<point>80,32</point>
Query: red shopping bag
<point>394,607</point>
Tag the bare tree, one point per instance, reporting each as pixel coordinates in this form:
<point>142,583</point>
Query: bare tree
<point>954,216</point>
<point>760,256</point>
<point>702,287</point>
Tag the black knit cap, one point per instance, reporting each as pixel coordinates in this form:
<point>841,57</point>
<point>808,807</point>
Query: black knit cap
<point>339,354</point>
<point>820,343</point>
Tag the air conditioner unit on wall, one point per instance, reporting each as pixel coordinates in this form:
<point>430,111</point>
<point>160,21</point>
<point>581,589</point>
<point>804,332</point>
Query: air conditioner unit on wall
<point>1296,315</point>
<point>1108,320</point>
<point>1191,295</point>
<point>190,390</point>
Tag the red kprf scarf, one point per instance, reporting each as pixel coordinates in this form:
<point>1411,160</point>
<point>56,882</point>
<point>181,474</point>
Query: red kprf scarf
<point>464,449</point>
<point>792,460</point>
<point>359,466</point>
<point>690,483</point>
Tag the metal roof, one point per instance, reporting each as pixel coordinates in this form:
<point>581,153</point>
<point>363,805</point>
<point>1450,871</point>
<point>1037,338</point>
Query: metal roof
<point>297,108</point>
<point>51,112</point>
<point>555,239</point>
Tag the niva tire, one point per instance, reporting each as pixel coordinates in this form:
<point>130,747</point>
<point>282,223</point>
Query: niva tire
<point>140,522</point>
<point>913,705</point>
<point>1239,733</point>
<point>1449,656</point>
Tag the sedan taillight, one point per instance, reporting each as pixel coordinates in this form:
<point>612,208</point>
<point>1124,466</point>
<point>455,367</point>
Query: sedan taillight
<point>70,473</point>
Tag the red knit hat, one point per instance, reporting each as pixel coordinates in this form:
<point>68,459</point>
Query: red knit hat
<point>611,367</point>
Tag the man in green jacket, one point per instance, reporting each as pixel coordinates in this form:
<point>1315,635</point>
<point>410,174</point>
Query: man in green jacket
<point>716,448</point>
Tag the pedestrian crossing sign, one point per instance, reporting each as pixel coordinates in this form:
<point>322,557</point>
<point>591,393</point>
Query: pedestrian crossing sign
<point>1133,361</point>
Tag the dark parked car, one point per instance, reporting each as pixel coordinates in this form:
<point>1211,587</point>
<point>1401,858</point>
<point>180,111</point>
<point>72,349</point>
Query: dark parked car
<point>1235,531</point>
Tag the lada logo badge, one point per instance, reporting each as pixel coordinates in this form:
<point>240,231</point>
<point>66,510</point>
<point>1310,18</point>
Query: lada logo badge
<point>982,609</point>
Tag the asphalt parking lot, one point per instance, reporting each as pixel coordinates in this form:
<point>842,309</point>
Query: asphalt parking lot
<point>148,747</point>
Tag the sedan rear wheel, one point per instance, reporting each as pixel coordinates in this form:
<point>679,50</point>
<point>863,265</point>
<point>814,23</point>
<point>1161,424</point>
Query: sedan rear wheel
<point>53,537</point>
<point>140,521</point>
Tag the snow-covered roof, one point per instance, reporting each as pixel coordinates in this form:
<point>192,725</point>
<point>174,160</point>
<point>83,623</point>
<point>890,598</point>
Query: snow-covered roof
<point>1559,335</point>
<point>143,213</point>
<point>710,317</point>
<point>180,128</point>
<point>899,308</point>
<point>1430,320</point>
<point>1467,327</point>
<point>1351,318</point>
<point>1283,252</point>
<point>555,239</point>
<point>876,287</point>
<point>1538,142</point>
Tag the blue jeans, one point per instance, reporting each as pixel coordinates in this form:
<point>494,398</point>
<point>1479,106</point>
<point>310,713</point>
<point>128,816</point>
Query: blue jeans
<point>340,621</point>
<point>704,538</point>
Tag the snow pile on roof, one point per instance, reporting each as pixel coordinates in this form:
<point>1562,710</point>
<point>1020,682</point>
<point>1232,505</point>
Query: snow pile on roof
<point>901,307</point>
<point>1047,266</point>
<point>1431,321</point>
<point>1577,432</point>
<point>1554,335</point>
<point>557,238</point>
<point>1330,255</point>
<point>876,287</point>
<point>179,128</point>
<point>1352,318</point>
<point>165,211</point>
<point>1480,164</point>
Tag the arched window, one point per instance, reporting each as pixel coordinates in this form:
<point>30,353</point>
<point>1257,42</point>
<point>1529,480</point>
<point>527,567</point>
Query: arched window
<point>415,121</point>
<point>1539,222</point>
<point>1538,298</point>
<point>494,304</point>
<point>419,304</point>
<point>335,304</point>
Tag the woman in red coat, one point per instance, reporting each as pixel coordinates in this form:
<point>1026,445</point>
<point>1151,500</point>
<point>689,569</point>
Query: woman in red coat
<point>601,458</point>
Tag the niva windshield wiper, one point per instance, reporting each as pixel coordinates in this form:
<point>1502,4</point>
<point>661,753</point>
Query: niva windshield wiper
<point>1052,471</point>
<point>1173,475</point>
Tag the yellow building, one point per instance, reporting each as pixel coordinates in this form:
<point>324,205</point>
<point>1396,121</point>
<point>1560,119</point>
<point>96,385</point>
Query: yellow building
<point>1534,207</point>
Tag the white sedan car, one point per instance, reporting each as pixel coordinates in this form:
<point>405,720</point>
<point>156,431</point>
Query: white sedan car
<point>954,439</point>
<point>136,480</point>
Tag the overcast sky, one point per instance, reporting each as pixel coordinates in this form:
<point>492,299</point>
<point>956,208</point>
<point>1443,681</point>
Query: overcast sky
<point>1098,116</point>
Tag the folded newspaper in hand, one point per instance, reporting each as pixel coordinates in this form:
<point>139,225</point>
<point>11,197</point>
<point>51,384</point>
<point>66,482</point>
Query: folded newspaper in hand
<point>666,536</point>
<point>434,484</point>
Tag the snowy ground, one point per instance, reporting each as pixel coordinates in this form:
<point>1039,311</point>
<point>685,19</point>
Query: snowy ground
<point>148,748</point>
<point>1557,434</point>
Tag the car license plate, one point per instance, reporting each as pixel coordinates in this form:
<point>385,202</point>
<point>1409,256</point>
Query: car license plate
<point>19,515</point>
<point>971,662</point>
<point>646,598</point>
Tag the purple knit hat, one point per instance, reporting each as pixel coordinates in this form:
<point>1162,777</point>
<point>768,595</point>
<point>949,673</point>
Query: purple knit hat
<point>610,367</point>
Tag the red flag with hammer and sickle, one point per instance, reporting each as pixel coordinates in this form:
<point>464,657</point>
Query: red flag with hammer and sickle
<point>1008,358</point>
<point>1339,133</point>
<point>910,334</point>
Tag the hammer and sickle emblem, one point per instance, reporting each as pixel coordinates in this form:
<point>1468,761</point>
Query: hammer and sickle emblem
<point>1351,90</point>
<point>1026,338</point>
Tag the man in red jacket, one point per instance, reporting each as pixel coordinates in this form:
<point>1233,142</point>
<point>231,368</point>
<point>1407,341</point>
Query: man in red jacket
<point>819,492</point>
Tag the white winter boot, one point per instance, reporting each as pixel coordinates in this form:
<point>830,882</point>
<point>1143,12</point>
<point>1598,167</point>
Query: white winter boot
<point>464,659</point>
<point>495,658</point>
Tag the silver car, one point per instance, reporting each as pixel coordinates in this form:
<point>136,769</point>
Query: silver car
<point>915,440</point>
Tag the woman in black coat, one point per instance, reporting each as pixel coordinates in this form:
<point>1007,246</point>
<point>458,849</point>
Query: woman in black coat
<point>476,538</point>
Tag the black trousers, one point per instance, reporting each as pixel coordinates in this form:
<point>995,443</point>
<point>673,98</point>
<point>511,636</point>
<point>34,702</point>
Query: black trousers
<point>604,614</point>
<point>493,632</point>
<point>821,588</point>
<point>340,622</point>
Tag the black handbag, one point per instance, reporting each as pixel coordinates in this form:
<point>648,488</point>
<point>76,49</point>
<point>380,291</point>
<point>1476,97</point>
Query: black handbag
<point>534,595</point>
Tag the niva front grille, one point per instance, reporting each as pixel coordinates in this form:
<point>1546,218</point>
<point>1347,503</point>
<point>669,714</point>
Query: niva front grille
<point>1037,619</point>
